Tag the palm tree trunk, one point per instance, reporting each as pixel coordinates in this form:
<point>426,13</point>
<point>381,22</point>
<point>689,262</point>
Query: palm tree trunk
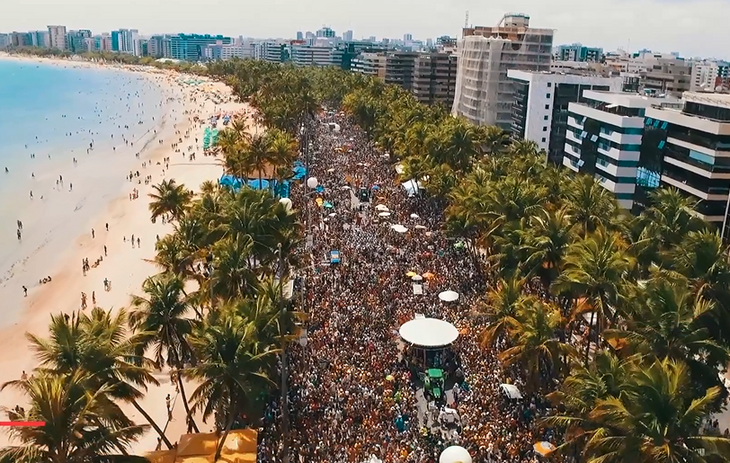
<point>590,335</point>
<point>222,442</point>
<point>152,423</point>
<point>188,415</point>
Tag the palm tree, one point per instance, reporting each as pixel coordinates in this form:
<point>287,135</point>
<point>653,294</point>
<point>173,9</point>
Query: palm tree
<point>233,275</point>
<point>98,346</point>
<point>502,306</point>
<point>232,369</point>
<point>160,317</point>
<point>657,419</point>
<point>590,205</point>
<point>665,321</point>
<point>258,155</point>
<point>535,347</point>
<point>549,236</point>
<point>170,199</point>
<point>593,270</point>
<point>670,217</point>
<point>81,424</point>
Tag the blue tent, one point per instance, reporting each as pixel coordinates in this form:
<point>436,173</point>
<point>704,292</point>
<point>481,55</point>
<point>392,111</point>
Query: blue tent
<point>258,184</point>
<point>231,182</point>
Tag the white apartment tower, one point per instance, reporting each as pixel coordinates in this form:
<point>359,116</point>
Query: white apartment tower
<point>484,92</point>
<point>57,37</point>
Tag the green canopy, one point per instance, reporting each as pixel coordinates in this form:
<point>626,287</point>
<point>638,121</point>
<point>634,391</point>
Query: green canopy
<point>435,373</point>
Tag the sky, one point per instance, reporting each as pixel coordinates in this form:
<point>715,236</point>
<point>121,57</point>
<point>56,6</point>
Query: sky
<point>690,27</point>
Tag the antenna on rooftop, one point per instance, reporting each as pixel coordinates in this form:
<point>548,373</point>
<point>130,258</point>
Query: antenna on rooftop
<point>466,20</point>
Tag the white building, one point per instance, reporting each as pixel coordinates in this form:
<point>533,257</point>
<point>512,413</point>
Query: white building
<point>306,55</point>
<point>347,36</point>
<point>604,140</point>
<point>541,105</point>
<point>57,37</point>
<point>484,92</point>
<point>708,75</point>
<point>129,42</point>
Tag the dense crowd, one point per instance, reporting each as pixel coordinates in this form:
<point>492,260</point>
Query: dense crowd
<point>352,394</point>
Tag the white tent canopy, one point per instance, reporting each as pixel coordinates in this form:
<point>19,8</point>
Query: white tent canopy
<point>448,296</point>
<point>428,332</point>
<point>412,186</point>
<point>399,228</point>
<point>511,391</point>
<point>382,208</point>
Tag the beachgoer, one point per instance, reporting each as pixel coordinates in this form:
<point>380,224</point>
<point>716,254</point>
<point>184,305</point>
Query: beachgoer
<point>24,376</point>
<point>92,233</point>
<point>25,291</point>
<point>105,250</point>
<point>107,227</point>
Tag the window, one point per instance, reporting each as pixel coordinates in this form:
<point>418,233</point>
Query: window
<point>550,84</point>
<point>544,129</point>
<point>547,96</point>
<point>547,106</point>
<point>544,118</point>
<point>543,139</point>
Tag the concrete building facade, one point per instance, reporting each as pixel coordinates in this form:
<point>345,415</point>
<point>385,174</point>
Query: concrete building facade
<point>578,52</point>
<point>603,139</point>
<point>484,93</point>
<point>542,99</point>
<point>434,78</point>
<point>57,37</point>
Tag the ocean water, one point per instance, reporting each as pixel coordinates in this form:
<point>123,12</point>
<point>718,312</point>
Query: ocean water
<point>84,125</point>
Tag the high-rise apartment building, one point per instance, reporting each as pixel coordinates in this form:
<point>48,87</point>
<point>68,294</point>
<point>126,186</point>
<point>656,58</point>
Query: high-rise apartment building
<point>578,52</point>
<point>128,42</point>
<point>603,140</point>
<point>540,110</point>
<point>408,38</point>
<point>308,55</point>
<point>399,67</point>
<point>190,47</point>
<point>708,76</point>
<point>326,33</point>
<point>57,37</point>
<point>668,75</point>
<point>39,39</point>
<point>369,64</point>
<point>76,41</point>
<point>484,92</point>
<point>347,36</point>
<point>300,35</point>
<point>693,147</point>
<point>434,78</point>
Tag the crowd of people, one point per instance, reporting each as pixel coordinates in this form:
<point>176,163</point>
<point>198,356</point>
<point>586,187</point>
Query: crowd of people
<point>352,395</point>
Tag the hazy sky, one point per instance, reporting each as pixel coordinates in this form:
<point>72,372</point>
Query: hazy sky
<point>691,27</point>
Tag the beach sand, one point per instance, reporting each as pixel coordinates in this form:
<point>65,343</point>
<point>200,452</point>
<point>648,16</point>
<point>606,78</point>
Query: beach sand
<point>124,266</point>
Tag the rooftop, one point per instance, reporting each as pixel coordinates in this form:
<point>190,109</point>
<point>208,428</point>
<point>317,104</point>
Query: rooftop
<point>630,100</point>
<point>720,100</point>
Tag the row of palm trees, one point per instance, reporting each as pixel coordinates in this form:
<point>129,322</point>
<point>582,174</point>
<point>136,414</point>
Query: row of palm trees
<point>622,321</point>
<point>212,315</point>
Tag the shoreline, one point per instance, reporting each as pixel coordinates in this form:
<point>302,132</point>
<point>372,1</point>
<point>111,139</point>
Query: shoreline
<point>125,266</point>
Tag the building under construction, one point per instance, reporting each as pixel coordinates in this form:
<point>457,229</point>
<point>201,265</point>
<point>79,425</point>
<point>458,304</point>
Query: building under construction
<point>484,93</point>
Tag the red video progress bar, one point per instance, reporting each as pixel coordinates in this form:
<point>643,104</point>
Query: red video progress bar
<point>25,424</point>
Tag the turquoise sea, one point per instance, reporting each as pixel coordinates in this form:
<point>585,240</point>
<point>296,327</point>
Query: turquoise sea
<point>86,125</point>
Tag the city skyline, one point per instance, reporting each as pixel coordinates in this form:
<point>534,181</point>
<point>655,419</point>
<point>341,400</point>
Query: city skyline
<point>661,25</point>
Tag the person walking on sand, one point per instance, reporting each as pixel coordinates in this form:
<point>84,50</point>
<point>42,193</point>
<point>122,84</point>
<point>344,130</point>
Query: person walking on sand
<point>93,298</point>
<point>93,234</point>
<point>105,250</point>
<point>25,291</point>
<point>138,245</point>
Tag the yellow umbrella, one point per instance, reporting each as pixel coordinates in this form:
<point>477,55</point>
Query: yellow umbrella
<point>543,448</point>
<point>429,276</point>
<point>411,274</point>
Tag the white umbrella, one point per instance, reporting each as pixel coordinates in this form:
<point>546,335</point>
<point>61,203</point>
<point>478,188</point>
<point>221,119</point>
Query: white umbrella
<point>448,296</point>
<point>511,391</point>
<point>419,227</point>
<point>399,228</point>
<point>344,187</point>
<point>417,278</point>
<point>331,170</point>
<point>332,214</point>
<point>415,216</point>
<point>382,208</point>
<point>384,214</point>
